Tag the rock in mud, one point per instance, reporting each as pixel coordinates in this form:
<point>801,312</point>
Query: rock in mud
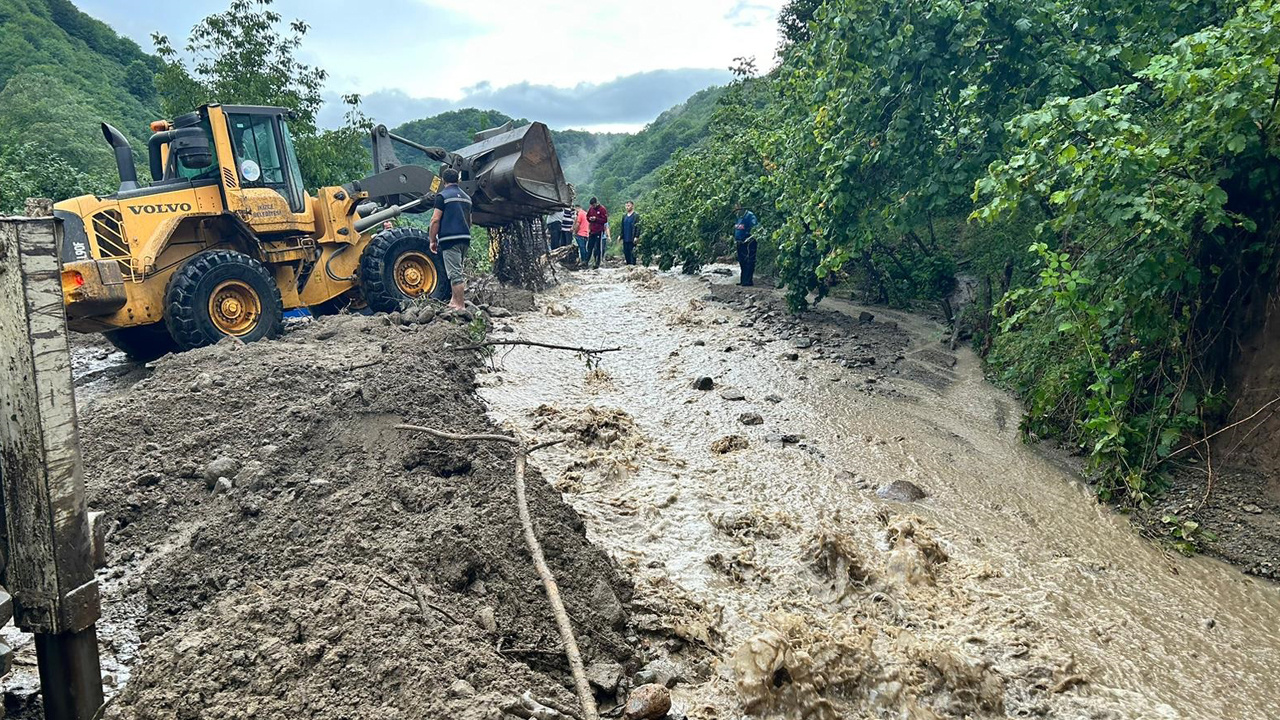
<point>660,672</point>
<point>866,317</point>
<point>704,384</point>
<point>498,312</point>
<point>790,356</point>
<point>648,702</point>
<point>801,343</point>
<point>751,418</point>
<point>147,479</point>
<point>222,467</point>
<point>728,444</point>
<point>775,399</point>
<point>604,676</point>
<point>461,689</point>
<point>902,491</point>
<point>486,619</point>
<point>733,395</point>
<point>699,343</point>
<point>222,486</point>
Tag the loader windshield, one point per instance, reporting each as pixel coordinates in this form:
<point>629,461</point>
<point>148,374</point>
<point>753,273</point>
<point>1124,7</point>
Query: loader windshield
<point>260,142</point>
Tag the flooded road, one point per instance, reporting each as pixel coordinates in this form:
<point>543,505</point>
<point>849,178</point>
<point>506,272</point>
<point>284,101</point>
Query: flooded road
<point>1006,592</point>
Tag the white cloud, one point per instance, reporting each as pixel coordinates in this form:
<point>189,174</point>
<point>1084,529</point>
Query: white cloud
<point>450,50</point>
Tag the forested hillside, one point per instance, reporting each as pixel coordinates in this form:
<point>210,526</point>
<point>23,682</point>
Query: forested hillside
<point>61,74</point>
<point>626,170</point>
<point>1106,170</point>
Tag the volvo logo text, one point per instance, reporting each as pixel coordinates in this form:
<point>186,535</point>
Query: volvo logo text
<point>160,209</point>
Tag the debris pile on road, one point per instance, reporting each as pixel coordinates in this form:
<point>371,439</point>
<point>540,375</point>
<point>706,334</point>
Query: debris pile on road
<point>289,554</point>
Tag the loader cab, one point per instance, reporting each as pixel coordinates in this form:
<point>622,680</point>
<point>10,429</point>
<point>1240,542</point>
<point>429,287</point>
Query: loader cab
<point>254,159</point>
<point>264,152</point>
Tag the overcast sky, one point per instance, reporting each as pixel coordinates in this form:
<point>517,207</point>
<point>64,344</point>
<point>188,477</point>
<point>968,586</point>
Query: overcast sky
<point>595,64</point>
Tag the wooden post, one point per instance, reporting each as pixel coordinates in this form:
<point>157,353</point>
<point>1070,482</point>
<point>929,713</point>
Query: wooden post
<point>45,532</point>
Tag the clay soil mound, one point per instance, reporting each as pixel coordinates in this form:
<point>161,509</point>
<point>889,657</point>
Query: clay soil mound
<point>291,592</point>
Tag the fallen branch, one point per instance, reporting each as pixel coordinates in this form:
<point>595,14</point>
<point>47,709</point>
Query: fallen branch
<point>533,343</point>
<point>571,651</point>
<point>420,596</point>
<point>527,707</point>
<point>1212,435</point>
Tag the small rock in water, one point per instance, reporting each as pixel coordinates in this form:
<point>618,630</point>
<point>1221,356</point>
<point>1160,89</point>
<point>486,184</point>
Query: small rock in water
<point>775,399</point>
<point>1208,623</point>
<point>902,491</point>
<point>704,383</point>
<point>801,343</point>
<point>866,317</point>
<point>751,419</point>
<point>791,356</point>
<point>699,343</point>
<point>733,395</point>
<point>728,444</point>
<point>648,702</point>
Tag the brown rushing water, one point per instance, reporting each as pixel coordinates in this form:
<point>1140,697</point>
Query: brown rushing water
<point>1049,605</point>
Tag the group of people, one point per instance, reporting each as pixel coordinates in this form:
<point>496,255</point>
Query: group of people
<point>589,228</point>
<point>450,234</point>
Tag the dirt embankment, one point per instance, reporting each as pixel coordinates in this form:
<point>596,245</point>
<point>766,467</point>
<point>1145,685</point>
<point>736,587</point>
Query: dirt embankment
<point>275,541</point>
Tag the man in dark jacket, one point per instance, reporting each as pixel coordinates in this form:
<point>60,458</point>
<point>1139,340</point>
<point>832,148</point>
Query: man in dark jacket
<point>744,238</point>
<point>598,217</point>
<point>630,233</point>
<point>451,233</point>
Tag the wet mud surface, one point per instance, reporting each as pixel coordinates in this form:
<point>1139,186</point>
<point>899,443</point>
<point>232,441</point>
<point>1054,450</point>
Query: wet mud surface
<point>815,517</point>
<point>755,476</point>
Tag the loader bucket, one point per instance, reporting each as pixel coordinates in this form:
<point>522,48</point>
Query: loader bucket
<point>517,175</point>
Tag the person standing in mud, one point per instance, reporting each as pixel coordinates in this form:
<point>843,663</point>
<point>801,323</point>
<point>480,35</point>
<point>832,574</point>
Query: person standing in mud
<point>568,219</point>
<point>581,230</point>
<point>744,238</point>
<point>630,233</point>
<point>451,233</point>
<point>598,218</point>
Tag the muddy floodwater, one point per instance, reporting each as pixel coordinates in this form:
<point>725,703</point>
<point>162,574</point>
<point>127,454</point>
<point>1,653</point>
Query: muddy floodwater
<point>1007,591</point>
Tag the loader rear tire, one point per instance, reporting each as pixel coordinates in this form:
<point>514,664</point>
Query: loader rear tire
<point>398,267</point>
<point>143,342</point>
<point>222,293</point>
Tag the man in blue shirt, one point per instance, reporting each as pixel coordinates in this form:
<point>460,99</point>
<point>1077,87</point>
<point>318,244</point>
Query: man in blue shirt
<point>451,233</point>
<point>744,238</point>
<point>630,233</point>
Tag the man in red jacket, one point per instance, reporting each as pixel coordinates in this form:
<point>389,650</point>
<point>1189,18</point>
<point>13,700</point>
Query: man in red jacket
<point>598,218</point>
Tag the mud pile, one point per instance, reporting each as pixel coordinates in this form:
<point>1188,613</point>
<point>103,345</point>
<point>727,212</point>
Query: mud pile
<point>290,554</point>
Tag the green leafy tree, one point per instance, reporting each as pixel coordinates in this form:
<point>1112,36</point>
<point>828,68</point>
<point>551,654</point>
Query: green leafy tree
<point>247,55</point>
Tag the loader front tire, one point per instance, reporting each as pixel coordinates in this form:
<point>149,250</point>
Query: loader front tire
<point>143,342</point>
<point>222,293</point>
<point>397,267</point>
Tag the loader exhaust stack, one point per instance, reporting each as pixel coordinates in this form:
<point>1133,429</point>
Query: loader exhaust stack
<point>124,157</point>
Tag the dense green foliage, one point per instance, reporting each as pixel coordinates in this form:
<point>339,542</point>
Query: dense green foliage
<point>61,74</point>
<point>1129,145</point>
<point>243,56</point>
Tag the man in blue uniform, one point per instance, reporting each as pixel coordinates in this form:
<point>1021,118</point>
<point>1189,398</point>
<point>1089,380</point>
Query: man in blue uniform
<point>451,233</point>
<point>744,238</point>
<point>630,233</point>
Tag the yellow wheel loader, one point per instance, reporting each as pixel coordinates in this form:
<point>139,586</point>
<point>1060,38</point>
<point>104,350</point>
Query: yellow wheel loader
<point>225,239</point>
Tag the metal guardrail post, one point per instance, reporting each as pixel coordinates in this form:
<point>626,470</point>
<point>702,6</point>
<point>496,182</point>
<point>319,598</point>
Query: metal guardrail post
<point>44,532</point>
